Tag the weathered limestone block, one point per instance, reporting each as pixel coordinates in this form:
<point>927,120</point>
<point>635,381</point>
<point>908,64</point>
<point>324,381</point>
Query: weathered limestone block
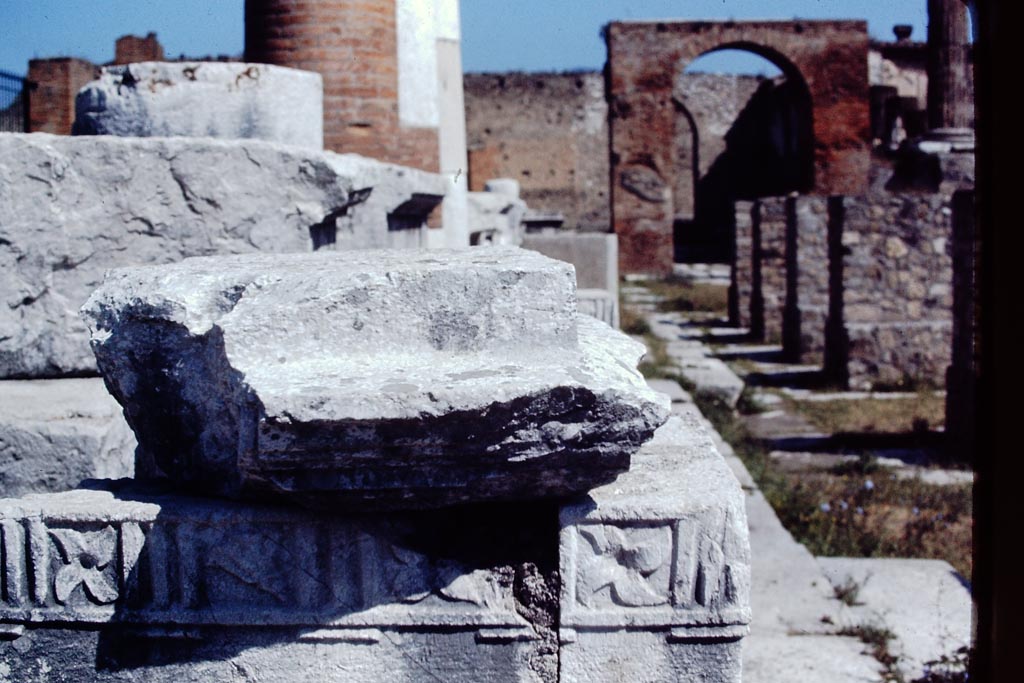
<point>596,259</point>
<point>128,584</point>
<point>371,378</point>
<point>230,100</point>
<point>73,207</point>
<point>655,568</point>
<point>55,433</point>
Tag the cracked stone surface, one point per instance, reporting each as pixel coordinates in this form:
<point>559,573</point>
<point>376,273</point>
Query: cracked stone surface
<point>371,378</point>
<point>73,207</point>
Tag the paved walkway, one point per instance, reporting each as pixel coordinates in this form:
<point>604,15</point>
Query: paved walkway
<point>796,616</point>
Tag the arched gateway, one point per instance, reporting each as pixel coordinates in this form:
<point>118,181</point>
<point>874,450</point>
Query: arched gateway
<point>645,59</point>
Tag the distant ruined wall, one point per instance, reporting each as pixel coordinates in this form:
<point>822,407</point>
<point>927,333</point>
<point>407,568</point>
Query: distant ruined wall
<point>549,131</point>
<point>52,102</point>
<point>131,49</point>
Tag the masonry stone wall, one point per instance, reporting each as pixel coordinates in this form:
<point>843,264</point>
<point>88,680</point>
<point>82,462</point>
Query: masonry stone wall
<point>897,288</point>
<point>549,131</point>
<point>769,219</point>
<point>807,290</point>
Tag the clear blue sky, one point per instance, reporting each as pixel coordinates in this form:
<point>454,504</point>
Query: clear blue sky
<point>498,35</point>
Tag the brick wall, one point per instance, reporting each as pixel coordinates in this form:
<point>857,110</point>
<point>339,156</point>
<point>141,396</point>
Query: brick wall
<point>131,49</point>
<point>548,131</point>
<point>353,45</point>
<point>52,102</point>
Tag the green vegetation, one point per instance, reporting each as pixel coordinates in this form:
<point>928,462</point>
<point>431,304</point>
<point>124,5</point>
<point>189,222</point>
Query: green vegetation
<point>681,294</point>
<point>926,410</point>
<point>856,509</point>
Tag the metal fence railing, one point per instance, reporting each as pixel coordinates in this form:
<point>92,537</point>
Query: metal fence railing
<point>14,103</point>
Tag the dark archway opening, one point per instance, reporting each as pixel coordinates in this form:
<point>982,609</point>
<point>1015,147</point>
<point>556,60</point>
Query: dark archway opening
<point>766,149</point>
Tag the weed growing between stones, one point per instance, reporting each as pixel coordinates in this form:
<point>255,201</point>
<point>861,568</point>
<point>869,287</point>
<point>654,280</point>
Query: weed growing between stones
<point>948,668</point>
<point>683,295</point>
<point>878,639</point>
<point>856,509</point>
<point>848,592</point>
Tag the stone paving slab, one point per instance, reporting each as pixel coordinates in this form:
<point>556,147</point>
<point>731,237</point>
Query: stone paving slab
<point>806,659</point>
<point>925,603</point>
<point>713,378</point>
<point>671,389</point>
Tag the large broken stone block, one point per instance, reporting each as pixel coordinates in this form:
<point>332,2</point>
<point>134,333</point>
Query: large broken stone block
<point>231,100</point>
<point>655,568</point>
<point>73,207</point>
<point>388,378</point>
<point>55,433</point>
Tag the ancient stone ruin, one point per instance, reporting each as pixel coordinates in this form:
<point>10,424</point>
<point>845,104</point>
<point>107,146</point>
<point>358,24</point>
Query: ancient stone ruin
<point>351,378</point>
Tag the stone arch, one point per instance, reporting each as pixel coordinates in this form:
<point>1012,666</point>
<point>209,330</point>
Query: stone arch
<point>644,60</point>
<point>766,151</point>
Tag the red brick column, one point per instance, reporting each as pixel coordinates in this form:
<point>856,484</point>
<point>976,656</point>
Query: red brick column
<point>52,101</point>
<point>353,45</point>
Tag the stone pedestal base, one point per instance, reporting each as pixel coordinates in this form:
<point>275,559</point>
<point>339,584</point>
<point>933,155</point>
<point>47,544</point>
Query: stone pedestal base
<point>646,580</point>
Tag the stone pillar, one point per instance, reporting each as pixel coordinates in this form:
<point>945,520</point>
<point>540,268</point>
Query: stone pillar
<point>742,280</point>
<point>950,99</point>
<point>962,376</point>
<point>807,256</point>
<point>771,228</point>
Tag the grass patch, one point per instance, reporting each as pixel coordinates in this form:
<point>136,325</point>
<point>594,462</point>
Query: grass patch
<point>682,294</point>
<point>926,410</point>
<point>857,509</point>
<point>632,322</point>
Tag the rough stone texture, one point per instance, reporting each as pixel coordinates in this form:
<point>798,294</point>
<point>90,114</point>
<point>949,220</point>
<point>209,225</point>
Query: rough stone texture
<point>807,290</point>
<point>495,218</point>
<point>72,207</point>
<point>204,99</point>
<point>126,584</point>
<point>548,131</point>
<point>924,603</point>
<point>644,61</point>
<point>55,433</point>
<point>746,264</point>
<point>770,231</point>
<point>656,568</point>
<point>897,288</point>
<point>375,377</point>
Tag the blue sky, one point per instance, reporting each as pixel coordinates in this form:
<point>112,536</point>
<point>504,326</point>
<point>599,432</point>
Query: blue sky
<point>530,35</point>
